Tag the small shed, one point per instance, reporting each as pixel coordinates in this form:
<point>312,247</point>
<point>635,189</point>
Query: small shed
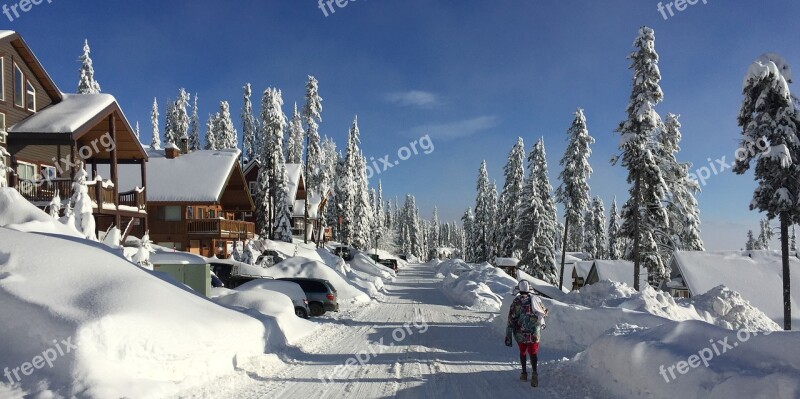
<point>187,268</point>
<point>620,271</point>
<point>508,265</point>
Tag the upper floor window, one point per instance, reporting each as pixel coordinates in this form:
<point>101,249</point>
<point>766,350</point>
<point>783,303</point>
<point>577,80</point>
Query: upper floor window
<point>2,78</point>
<point>2,128</point>
<point>19,87</point>
<point>169,213</point>
<point>31,96</point>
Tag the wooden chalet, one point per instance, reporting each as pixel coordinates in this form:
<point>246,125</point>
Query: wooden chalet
<point>196,199</point>
<point>48,133</point>
<point>297,191</point>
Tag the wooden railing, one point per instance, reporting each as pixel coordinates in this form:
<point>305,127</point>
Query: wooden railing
<point>221,228</point>
<point>176,228</point>
<point>44,190</point>
<point>133,198</point>
<point>96,190</point>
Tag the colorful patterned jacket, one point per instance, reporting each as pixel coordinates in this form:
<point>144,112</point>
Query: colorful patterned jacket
<point>523,319</point>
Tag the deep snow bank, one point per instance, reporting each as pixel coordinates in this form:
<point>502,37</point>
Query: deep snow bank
<point>303,267</point>
<point>134,334</point>
<point>480,287</point>
<point>666,362</point>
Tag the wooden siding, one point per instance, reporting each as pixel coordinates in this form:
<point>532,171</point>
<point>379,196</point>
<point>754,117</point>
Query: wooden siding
<point>13,113</point>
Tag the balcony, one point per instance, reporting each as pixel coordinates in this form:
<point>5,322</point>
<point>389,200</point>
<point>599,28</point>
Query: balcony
<point>42,192</point>
<point>221,228</point>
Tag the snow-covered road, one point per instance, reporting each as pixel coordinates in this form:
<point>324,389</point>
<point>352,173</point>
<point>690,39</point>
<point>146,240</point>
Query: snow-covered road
<point>414,344</point>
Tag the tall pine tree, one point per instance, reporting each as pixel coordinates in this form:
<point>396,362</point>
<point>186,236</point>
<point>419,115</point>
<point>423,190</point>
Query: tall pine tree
<point>511,202</point>
<point>573,192</point>
<point>87,84</point>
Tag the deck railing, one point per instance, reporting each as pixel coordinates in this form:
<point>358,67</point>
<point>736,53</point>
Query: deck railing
<point>221,228</point>
<point>42,192</point>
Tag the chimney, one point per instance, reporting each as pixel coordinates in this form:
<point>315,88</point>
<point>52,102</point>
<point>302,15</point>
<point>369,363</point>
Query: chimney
<point>172,151</point>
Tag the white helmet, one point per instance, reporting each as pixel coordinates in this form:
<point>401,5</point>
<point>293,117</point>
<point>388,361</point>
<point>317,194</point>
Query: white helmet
<point>524,286</point>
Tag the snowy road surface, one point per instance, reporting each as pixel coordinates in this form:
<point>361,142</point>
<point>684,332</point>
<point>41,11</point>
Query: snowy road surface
<point>451,355</point>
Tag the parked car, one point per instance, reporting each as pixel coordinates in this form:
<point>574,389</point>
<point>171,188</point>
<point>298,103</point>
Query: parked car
<point>288,288</point>
<point>344,252</point>
<point>390,263</point>
<point>375,257</point>
<point>225,272</point>
<point>321,294</point>
<point>269,258</point>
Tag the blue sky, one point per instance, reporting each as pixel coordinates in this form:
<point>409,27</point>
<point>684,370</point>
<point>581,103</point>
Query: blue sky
<point>473,74</point>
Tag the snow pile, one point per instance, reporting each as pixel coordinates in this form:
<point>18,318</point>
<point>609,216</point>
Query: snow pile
<point>692,359</point>
<point>473,294</point>
<point>365,264</point>
<point>479,287</point>
<point>16,213</point>
<point>543,287</point>
<point>273,308</point>
<point>452,266</point>
<point>729,310</point>
<point>303,267</point>
<point>720,306</point>
<point>134,334</point>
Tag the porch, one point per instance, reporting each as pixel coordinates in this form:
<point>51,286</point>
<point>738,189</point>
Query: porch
<point>101,193</point>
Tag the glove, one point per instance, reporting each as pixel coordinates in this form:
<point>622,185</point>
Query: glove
<point>508,342</point>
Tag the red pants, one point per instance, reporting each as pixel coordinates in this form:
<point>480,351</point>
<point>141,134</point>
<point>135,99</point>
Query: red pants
<point>532,348</point>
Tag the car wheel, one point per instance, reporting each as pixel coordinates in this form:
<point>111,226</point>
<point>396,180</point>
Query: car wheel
<point>301,313</point>
<point>316,309</point>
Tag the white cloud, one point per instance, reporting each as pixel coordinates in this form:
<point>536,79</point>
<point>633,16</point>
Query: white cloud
<point>413,98</point>
<point>455,130</point>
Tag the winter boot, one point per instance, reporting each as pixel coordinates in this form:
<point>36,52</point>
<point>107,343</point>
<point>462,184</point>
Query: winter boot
<point>534,372</point>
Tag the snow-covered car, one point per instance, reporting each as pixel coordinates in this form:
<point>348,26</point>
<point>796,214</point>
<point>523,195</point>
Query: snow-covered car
<point>269,258</point>
<point>321,293</point>
<point>216,282</point>
<point>344,252</point>
<point>288,288</point>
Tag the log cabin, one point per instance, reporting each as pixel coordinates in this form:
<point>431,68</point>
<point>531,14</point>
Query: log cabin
<point>48,134</point>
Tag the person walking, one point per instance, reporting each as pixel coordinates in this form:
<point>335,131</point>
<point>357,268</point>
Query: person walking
<point>525,324</point>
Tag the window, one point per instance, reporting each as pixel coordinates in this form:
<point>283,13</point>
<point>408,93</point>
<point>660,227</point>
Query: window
<point>2,128</point>
<point>26,171</point>
<point>189,212</point>
<point>253,186</point>
<point>2,78</point>
<point>169,213</point>
<point>48,172</point>
<point>211,214</point>
<point>19,86</point>
<point>31,97</point>
<point>201,213</point>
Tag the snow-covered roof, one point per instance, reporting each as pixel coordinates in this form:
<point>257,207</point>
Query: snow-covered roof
<point>199,176</point>
<point>620,271</point>
<point>506,262</point>
<point>67,116</point>
<point>583,268</point>
<point>6,33</point>
<point>293,173</point>
<point>756,275</point>
<point>176,258</point>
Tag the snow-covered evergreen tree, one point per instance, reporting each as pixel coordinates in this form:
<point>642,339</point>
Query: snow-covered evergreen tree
<point>87,84</point>
<point>312,114</point>
<point>485,207</point>
<point>435,232</point>
<point>156,141</point>
<point>181,117</point>
<point>573,192</point>
<point>644,214</point>
<point>55,204</point>
<point>793,243</point>
<point>142,255</point>
<point>768,114</point>
<point>194,128</point>
<point>362,219</point>
<point>294,141</point>
<point>283,216</point>
<point>751,243</point>
<point>683,231</point>
<point>274,123</point>
<point>595,236</point>
<point>249,127</point>
<point>262,203</point>
<point>83,211</point>
<point>226,135</point>
<point>511,199</point>
<point>211,134</point>
<point>170,124</point>
<point>136,131</point>
<point>765,235</point>
<point>614,251</point>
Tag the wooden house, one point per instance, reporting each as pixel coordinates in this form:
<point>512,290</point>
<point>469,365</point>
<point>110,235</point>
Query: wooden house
<point>620,271</point>
<point>195,200</point>
<point>48,133</point>
<point>508,265</point>
<point>297,191</point>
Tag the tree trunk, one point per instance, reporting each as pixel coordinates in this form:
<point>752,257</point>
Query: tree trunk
<point>787,299</point>
<point>636,234</point>
<point>563,255</point>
